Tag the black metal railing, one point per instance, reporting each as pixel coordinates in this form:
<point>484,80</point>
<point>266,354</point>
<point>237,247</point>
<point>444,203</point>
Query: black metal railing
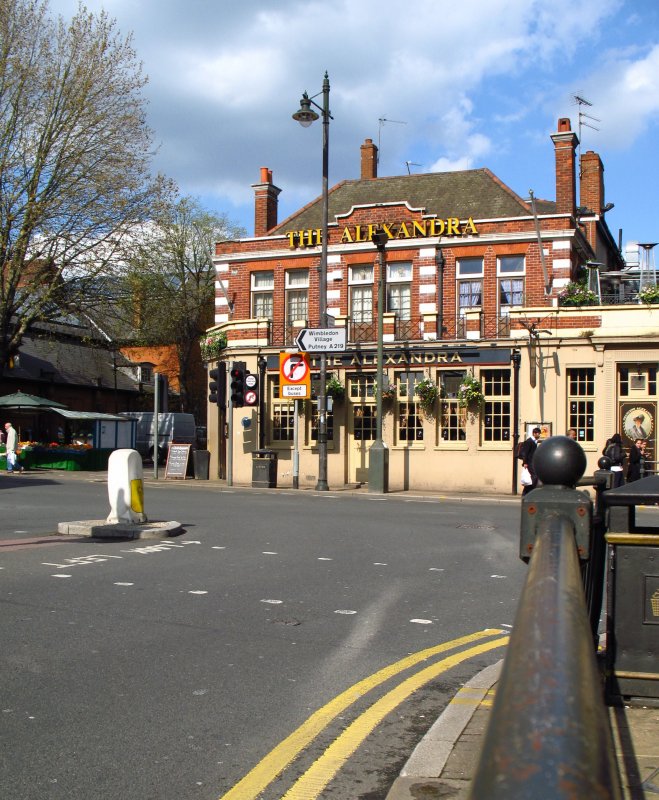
<point>549,735</point>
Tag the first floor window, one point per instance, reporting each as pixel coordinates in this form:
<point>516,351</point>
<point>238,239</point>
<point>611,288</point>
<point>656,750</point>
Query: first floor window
<point>469,294</point>
<point>263,284</point>
<point>497,406</point>
<point>581,402</point>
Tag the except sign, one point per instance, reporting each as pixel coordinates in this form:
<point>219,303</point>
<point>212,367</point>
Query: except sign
<point>295,378</point>
<point>321,340</point>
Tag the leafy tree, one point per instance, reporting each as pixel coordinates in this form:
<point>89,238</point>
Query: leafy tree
<point>74,162</point>
<point>170,287</point>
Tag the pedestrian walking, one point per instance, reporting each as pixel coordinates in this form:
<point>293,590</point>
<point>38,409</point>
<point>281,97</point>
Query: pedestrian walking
<point>636,459</point>
<point>614,452</point>
<point>526,453</point>
<point>11,445</point>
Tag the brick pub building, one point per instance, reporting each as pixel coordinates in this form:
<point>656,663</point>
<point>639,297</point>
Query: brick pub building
<point>473,277</point>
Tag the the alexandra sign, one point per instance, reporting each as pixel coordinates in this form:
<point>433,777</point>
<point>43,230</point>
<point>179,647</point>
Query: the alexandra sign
<point>409,229</point>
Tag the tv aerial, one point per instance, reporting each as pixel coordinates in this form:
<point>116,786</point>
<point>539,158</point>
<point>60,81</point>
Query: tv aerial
<point>381,123</point>
<point>409,164</point>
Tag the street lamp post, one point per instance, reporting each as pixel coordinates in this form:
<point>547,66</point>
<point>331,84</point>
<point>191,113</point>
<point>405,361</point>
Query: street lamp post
<point>305,116</point>
<point>378,454</point>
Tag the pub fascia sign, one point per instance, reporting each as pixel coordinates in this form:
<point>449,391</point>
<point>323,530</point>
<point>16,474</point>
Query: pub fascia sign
<point>399,358</point>
<point>410,229</point>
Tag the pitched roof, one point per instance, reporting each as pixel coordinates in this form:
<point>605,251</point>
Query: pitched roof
<point>476,193</point>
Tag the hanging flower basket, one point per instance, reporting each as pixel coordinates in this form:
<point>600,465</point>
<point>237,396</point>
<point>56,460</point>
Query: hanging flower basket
<point>577,294</point>
<point>470,392</point>
<point>649,295</point>
<point>212,344</point>
<point>334,388</point>
<point>388,394</point>
<point>428,394</point>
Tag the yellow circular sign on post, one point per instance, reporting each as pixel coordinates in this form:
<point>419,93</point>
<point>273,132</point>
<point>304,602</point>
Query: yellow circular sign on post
<point>294,376</point>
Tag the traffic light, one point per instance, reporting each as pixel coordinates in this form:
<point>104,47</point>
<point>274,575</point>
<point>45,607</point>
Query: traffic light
<point>217,384</point>
<point>238,371</point>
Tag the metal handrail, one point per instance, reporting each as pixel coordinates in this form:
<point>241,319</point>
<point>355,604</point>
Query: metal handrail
<point>549,735</point>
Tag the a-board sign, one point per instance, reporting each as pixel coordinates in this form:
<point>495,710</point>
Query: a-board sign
<point>177,460</point>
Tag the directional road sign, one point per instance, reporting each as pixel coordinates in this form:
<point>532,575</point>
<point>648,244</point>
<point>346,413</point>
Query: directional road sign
<point>321,340</point>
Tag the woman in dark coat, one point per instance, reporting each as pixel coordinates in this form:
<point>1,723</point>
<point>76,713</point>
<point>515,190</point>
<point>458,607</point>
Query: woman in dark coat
<point>613,450</point>
<point>636,456</point>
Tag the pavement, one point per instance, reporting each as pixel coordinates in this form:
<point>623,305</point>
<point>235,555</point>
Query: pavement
<point>444,762</point>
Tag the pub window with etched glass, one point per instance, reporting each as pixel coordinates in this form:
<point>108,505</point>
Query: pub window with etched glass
<point>581,402</point>
<point>263,285</point>
<point>496,412</point>
<point>409,418</point>
<point>452,420</point>
<point>283,414</point>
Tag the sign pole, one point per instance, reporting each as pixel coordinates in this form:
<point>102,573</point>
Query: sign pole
<point>296,445</point>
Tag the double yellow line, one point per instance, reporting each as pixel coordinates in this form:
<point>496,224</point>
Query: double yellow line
<point>321,772</point>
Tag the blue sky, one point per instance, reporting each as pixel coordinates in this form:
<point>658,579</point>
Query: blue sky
<point>479,83</point>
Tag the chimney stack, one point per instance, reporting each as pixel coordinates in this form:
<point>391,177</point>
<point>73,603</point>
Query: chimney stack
<point>265,203</point>
<point>565,143</point>
<point>591,185</point>
<point>369,160</point>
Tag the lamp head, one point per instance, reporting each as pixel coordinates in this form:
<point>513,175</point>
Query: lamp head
<point>306,115</point>
<point>379,239</point>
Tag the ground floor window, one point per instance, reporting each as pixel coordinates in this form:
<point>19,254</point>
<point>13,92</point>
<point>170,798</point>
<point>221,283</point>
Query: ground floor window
<point>409,422</point>
<point>496,416</point>
<point>452,420</point>
<point>581,402</point>
<point>283,414</point>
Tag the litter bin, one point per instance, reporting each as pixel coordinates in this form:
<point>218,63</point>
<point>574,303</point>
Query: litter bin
<point>201,459</point>
<point>264,469</point>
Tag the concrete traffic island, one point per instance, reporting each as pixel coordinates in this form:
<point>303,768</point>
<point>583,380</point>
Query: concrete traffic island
<point>127,519</point>
<point>101,529</point>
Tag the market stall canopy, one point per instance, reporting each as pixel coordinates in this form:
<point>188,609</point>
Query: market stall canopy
<point>30,402</point>
<point>90,415</point>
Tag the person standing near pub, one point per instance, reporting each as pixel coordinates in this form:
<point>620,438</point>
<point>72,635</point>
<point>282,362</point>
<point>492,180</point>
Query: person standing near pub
<point>526,453</point>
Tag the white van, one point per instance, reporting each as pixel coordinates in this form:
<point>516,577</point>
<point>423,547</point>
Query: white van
<point>172,429</point>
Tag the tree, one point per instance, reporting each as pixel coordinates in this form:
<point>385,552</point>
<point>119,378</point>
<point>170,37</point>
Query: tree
<point>74,162</point>
<point>170,287</point>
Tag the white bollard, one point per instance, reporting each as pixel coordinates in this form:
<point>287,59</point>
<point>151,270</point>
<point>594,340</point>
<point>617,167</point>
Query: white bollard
<point>126,487</point>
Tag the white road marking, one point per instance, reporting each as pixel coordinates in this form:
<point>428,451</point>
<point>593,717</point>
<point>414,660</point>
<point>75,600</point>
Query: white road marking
<point>380,564</point>
<point>269,553</point>
<point>197,591</point>
<point>436,569</point>
<point>498,576</point>
<point>272,602</point>
<point>121,583</point>
<point>323,558</point>
<point>60,575</point>
<point>422,621</point>
<point>344,611</point>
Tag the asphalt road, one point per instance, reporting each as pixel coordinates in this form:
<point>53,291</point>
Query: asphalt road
<point>170,670</point>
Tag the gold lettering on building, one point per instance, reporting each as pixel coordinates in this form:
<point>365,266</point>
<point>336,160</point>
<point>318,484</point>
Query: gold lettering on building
<point>409,229</point>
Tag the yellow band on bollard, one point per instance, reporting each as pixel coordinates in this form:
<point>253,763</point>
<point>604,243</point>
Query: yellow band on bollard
<point>137,495</point>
